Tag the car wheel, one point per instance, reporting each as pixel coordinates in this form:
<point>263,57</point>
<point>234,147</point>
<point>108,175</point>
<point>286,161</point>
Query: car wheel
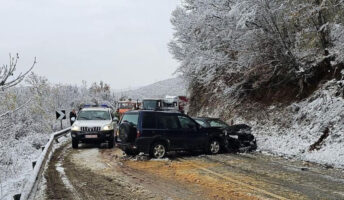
<point>75,144</point>
<point>158,150</point>
<point>214,146</point>
<point>253,145</point>
<point>231,145</point>
<point>111,144</point>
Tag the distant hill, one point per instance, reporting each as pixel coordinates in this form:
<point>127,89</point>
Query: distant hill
<point>174,87</point>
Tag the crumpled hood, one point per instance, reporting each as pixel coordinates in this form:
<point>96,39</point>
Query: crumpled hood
<point>92,123</point>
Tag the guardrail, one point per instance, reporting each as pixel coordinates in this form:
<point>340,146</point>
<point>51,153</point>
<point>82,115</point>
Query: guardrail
<point>30,187</point>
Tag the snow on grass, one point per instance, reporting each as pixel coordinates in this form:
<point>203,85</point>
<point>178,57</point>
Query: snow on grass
<point>302,124</point>
<point>290,131</point>
<point>16,163</point>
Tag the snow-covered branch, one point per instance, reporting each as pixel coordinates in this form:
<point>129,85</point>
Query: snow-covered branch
<point>268,43</point>
<point>15,110</point>
<point>7,71</point>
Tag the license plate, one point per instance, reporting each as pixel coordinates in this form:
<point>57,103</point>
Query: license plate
<point>91,136</point>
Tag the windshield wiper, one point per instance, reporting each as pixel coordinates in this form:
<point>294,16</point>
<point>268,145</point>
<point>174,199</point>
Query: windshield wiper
<point>100,118</point>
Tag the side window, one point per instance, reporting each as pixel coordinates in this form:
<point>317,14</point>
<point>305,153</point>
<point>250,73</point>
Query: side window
<point>131,118</point>
<point>186,122</point>
<point>148,120</point>
<point>167,121</point>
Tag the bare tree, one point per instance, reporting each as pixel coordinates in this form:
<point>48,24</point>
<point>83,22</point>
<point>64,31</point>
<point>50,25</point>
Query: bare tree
<point>7,77</point>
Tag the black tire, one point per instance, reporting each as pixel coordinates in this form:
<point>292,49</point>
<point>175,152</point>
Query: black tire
<point>232,145</point>
<point>111,144</point>
<point>127,132</point>
<point>214,146</point>
<point>158,150</point>
<point>254,145</point>
<point>75,144</point>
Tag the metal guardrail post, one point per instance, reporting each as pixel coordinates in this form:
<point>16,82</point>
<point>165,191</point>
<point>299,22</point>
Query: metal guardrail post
<point>16,197</point>
<point>34,164</point>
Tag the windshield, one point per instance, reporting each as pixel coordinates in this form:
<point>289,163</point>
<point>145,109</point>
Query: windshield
<point>125,105</point>
<point>169,103</point>
<point>94,115</point>
<point>217,123</point>
<point>150,104</point>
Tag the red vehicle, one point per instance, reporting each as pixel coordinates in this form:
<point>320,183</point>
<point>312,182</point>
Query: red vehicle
<point>124,106</point>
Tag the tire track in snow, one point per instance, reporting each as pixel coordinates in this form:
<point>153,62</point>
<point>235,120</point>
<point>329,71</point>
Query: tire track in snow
<point>60,169</point>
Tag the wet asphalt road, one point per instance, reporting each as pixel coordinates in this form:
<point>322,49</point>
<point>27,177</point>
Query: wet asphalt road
<point>93,173</point>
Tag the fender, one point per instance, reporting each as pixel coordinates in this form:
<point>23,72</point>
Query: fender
<point>161,138</point>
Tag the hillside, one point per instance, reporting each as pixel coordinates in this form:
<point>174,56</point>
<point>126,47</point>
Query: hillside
<point>174,87</point>
<point>275,66</point>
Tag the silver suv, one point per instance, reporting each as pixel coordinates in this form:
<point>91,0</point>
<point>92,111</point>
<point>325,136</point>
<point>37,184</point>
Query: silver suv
<point>94,125</point>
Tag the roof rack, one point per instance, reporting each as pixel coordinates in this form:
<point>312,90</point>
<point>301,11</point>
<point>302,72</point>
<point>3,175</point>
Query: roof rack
<point>94,105</point>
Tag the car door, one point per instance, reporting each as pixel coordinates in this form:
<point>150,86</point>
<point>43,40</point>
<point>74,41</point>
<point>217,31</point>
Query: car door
<point>193,138</point>
<point>149,124</point>
<point>168,126</point>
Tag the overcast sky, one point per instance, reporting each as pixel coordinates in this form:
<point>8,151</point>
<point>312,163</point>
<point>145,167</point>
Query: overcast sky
<point>122,42</point>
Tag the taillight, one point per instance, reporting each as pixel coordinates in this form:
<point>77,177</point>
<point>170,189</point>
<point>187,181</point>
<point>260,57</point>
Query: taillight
<point>138,134</point>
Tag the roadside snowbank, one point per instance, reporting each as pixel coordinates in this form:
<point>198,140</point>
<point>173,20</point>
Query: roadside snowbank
<point>310,130</point>
<point>16,162</point>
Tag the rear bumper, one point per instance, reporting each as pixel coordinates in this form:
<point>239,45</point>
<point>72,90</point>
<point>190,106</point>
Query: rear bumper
<point>140,145</point>
<point>101,136</point>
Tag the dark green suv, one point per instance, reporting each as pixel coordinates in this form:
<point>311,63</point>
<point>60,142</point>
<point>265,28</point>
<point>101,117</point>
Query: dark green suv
<point>157,132</point>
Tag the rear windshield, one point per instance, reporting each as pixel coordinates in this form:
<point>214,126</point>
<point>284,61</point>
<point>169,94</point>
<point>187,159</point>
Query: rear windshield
<point>217,123</point>
<point>131,118</point>
<point>200,122</point>
<point>150,104</point>
<point>94,115</point>
<point>125,105</point>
